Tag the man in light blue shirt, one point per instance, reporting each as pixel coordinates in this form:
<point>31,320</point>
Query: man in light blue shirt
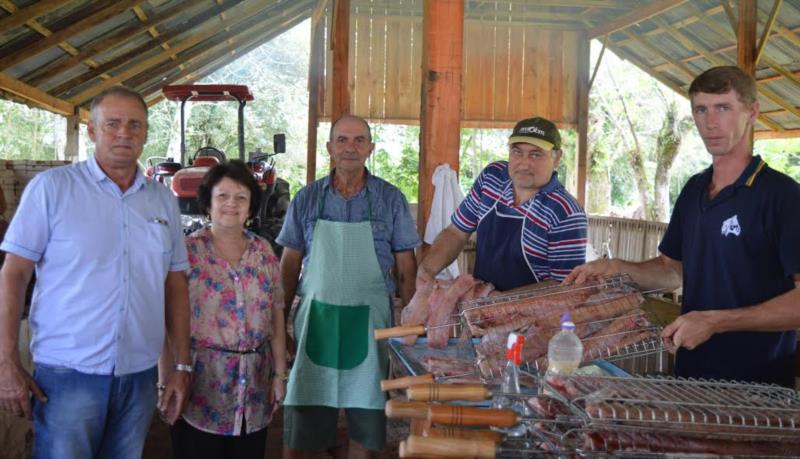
<point>109,255</point>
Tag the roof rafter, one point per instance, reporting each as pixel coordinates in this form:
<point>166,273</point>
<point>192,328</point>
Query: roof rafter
<point>36,96</point>
<point>638,15</point>
<point>125,58</point>
<point>65,33</point>
<point>98,46</point>
<point>24,15</point>
<point>247,11</point>
<point>205,65</point>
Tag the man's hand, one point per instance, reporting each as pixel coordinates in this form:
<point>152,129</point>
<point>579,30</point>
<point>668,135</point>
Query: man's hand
<point>173,400</point>
<point>691,330</point>
<point>592,271</point>
<point>16,385</point>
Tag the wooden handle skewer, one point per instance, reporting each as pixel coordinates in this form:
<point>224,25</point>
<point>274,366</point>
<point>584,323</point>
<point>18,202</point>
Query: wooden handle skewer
<point>397,332</point>
<point>451,432</point>
<point>407,410</point>
<point>449,447</point>
<point>468,416</point>
<point>405,382</point>
<point>446,392</point>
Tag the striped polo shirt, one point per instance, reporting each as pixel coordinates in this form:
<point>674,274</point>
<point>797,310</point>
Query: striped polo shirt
<point>555,225</point>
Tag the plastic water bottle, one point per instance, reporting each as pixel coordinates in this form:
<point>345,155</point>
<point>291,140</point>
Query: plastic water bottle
<point>565,350</point>
<point>509,385</point>
<point>509,377</point>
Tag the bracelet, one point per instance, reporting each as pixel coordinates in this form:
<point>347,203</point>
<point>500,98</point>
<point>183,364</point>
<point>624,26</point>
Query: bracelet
<point>183,367</point>
<point>282,376</point>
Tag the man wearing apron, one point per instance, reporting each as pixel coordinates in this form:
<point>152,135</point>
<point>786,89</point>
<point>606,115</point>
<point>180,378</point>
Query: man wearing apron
<point>529,227</point>
<point>345,232</point>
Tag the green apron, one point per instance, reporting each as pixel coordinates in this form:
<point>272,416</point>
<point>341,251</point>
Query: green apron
<point>339,363</point>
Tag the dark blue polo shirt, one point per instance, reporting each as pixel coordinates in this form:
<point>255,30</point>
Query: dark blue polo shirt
<point>739,249</point>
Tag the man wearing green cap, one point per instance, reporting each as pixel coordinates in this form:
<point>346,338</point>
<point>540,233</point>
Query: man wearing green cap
<point>529,227</point>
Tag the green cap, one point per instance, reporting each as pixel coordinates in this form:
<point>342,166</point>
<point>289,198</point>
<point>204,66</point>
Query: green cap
<point>536,131</point>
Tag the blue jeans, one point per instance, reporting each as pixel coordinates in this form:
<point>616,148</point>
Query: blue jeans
<point>92,416</point>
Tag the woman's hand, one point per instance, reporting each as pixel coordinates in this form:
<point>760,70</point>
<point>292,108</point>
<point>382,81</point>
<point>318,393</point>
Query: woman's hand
<point>278,392</point>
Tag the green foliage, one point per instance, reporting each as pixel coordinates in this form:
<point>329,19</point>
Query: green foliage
<point>29,133</point>
<point>782,155</point>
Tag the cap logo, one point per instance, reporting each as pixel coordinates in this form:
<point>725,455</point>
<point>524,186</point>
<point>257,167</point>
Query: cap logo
<point>531,130</point>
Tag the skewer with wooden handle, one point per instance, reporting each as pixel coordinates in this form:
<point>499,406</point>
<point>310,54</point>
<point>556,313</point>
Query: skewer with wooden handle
<point>406,382</point>
<point>407,410</point>
<point>399,332</point>
<point>446,392</point>
<point>469,416</point>
<point>448,447</point>
<point>402,450</point>
<point>451,432</point>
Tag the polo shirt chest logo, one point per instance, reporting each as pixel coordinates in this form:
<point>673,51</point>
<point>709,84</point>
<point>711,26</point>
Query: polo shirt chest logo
<point>731,226</point>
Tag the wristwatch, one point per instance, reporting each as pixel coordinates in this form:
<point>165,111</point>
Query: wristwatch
<point>183,367</point>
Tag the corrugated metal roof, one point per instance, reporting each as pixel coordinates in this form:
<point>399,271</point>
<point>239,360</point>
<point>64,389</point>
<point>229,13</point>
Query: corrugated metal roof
<point>72,49</point>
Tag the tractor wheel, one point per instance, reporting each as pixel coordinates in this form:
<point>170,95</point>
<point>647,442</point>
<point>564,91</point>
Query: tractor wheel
<point>273,210</point>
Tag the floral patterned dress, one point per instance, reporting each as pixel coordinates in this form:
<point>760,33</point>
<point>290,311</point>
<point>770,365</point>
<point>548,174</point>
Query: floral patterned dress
<point>231,325</point>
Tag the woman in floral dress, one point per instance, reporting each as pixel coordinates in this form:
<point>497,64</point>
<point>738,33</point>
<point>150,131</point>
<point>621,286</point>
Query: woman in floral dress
<point>237,325</point>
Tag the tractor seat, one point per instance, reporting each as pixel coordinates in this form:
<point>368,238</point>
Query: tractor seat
<point>207,161</point>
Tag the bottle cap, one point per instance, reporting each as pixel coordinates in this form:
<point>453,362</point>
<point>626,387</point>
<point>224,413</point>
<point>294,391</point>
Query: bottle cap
<point>510,343</point>
<point>566,323</point>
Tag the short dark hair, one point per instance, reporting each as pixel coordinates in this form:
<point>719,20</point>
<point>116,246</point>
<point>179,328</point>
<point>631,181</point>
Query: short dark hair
<point>353,117</point>
<point>120,91</point>
<point>238,172</point>
<point>720,80</point>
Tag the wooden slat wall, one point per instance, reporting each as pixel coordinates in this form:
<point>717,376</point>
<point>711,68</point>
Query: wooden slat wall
<point>510,72</point>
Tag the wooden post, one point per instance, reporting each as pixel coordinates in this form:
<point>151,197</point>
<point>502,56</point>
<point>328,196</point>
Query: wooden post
<point>340,42</point>
<point>440,108</point>
<point>314,84</point>
<point>73,130</point>
<point>746,41</point>
<point>582,94</point>
<point>746,36</point>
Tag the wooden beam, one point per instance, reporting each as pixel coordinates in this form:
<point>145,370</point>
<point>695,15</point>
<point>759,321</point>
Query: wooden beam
<point>776,6</point>
<point>41,75</point>
<point>582,96</point>
<point>746,36</point>
<point>222,54</point>
<point>226,46</point>
<point>73,136</point>
<point>728,34</point>
<point>319,10</point>
<point>64,89</point>
<point>440,107</point>
<point>30,12</point>
<point>645,12</point>
<point>787,134</point>
<point>316,80</point>
<point>660,53</point>
<point>247,11</point>
<point>65,33</point>
<point>599,60</point>
<point>689,44</point>
<point>35,96</point>
<point>340,43</point>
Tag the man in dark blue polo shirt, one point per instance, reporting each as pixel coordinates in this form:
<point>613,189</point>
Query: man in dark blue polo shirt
<point>734,243</point>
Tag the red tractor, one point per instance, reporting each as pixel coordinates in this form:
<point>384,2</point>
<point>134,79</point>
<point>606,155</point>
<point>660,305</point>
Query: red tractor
<point>184,177</point>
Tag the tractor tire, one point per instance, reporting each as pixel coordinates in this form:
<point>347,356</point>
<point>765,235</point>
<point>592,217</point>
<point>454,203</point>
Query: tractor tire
<point>271,215</point>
